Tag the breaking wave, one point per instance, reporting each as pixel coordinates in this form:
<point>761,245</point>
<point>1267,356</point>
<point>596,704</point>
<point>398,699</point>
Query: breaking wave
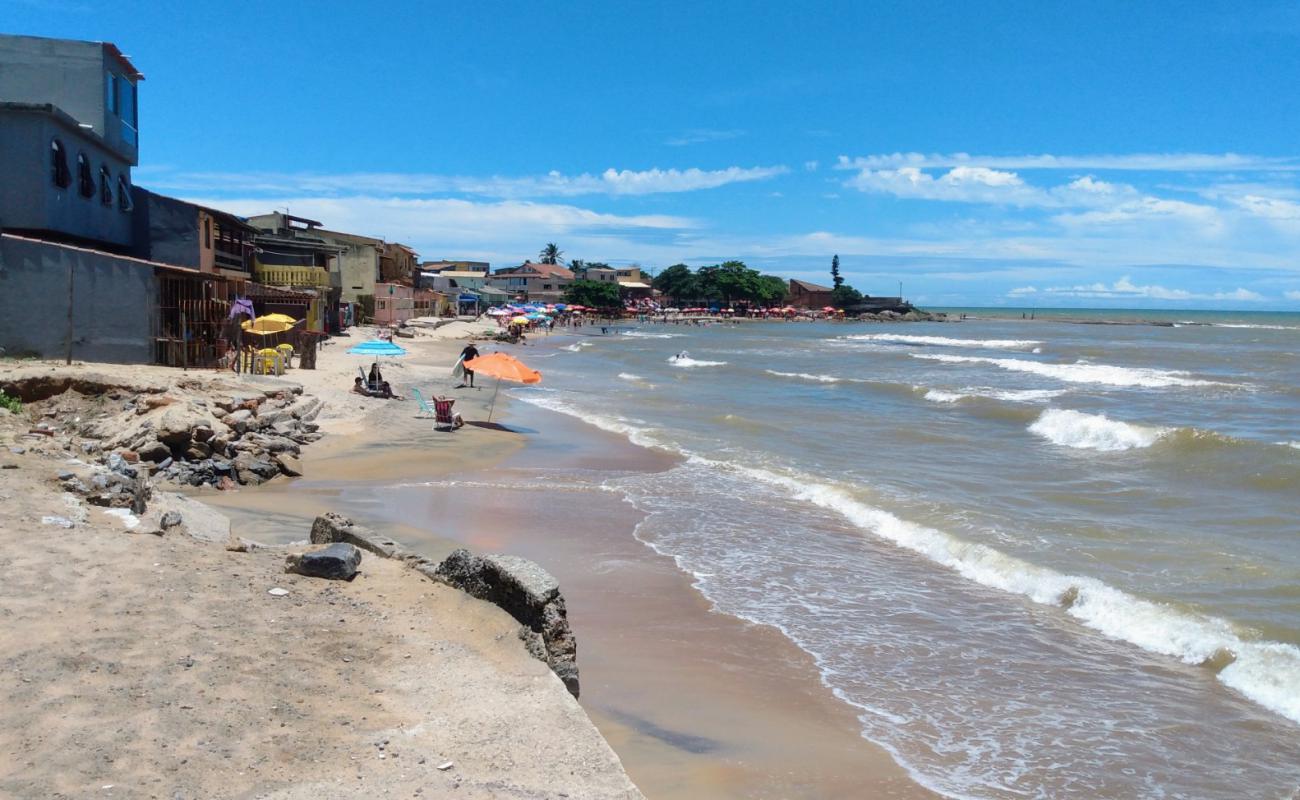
<point>1093,431</point>
<point>1009,395</point>
<point>627,376</point>
<point>576,347</point>
<point>805,376</point>
<point>1266,672</point>
<point>691,362</point>
<point>645,335</point>
<point>944,341</point>
<point>1104,374</point>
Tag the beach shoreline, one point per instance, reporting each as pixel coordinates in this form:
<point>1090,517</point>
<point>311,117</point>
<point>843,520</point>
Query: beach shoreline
<point>695,702</point>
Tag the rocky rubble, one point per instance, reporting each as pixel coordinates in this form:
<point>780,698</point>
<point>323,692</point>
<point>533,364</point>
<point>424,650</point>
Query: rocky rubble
<point>193,432</point>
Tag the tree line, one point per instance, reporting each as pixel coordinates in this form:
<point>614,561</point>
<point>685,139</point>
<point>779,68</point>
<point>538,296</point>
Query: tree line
<point>725,283</point>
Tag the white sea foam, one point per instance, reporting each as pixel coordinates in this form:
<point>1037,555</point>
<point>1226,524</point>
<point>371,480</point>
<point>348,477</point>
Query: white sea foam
<point>805,376</point>
<point>687,361</point>
<point>944,341</point>
<point>940,396</point>
<point>576,347</point>
<point>1008,395</point>
<point>645,335</point>
<point>1093,431</point>
<point>1256,327</point>
<point>1104,374</point>
<point>1296,445</point>
<point>1266,672</point>
<point>627,376</point>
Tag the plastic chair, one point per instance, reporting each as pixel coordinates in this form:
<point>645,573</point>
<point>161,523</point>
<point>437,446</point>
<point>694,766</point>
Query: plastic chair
<point>426,411</point>
<point>286,353</point>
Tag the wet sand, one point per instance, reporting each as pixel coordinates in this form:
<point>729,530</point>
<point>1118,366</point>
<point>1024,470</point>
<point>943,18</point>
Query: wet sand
<point>695,703</point>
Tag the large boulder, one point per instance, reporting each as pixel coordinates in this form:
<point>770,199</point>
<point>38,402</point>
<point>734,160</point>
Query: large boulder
<point>175,425</point>
<point>526,592</point>
<point>338,561</point>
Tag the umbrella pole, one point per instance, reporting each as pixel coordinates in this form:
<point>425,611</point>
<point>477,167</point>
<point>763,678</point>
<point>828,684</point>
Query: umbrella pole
<point>494,399</point>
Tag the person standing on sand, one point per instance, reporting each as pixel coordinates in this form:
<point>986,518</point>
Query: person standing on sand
<point>469,354</point>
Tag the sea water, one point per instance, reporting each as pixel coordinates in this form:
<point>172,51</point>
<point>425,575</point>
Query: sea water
<point>1041,559</point>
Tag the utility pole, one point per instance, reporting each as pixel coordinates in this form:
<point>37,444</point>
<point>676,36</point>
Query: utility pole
<point>900,291</point>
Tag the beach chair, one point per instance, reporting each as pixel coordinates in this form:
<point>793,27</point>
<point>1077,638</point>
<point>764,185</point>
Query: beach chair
<point>444,417</point>
<point>426,411</point>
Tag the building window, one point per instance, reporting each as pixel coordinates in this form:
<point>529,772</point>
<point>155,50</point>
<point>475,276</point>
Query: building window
<point>207,233</point>
<point>59,165</point>
<point>105,186</point>
<point>124,194</point>
<point>85,181</point>
<point>110,92</point>
<point>545,286</point>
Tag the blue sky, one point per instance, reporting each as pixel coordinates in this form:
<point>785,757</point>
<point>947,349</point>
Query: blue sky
<point>1055,154</point>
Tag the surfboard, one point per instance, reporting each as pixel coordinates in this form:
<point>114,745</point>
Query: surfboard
<point>458,371</point>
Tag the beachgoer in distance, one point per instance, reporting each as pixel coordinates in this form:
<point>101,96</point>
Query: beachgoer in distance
<point>469,354</point>
<point>358,386</point>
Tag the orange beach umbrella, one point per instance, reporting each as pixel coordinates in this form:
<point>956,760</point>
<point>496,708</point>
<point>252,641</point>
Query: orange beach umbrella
<point>503,367</point>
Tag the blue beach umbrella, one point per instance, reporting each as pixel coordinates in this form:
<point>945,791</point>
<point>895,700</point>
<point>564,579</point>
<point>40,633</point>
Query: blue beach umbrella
<point>377,347</point>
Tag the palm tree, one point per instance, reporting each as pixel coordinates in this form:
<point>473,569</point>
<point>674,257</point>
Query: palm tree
<point>551,254</point>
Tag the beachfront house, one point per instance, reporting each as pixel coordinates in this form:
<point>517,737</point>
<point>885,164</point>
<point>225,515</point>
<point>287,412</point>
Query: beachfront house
<point>631,284</point>
<point>68,140</point>
<point>444,265</point>
<point>809,295</point>
<point>397,263</point>
<point>189,235</point>
<point>288,253</point>
<point>534,282</point>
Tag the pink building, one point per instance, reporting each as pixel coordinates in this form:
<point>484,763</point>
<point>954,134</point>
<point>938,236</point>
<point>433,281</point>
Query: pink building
<point>394,303</point>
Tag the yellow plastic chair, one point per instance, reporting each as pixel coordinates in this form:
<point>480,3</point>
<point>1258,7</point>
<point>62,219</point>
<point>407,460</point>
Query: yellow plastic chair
<point>266,362</point>
<point>286,354</point>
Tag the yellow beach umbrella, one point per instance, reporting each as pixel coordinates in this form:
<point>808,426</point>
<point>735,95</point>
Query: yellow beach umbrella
<point>267,325</point>
<point>520,320</point>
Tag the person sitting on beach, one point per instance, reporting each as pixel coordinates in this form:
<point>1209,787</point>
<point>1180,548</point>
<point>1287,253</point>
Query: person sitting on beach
<point>376,377</point>
<point>359,387</point>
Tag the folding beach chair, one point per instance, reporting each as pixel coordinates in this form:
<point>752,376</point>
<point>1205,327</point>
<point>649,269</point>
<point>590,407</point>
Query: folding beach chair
<point>444,417</point>
<point>426,411</point>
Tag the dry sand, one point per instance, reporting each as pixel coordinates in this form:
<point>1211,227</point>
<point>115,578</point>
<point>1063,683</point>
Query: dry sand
<point>142,666</point>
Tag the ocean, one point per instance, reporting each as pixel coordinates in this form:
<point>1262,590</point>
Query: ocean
<point>1038,559</point>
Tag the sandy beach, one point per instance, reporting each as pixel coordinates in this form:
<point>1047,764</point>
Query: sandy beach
<point>696,703</point>
<point>163,666</point>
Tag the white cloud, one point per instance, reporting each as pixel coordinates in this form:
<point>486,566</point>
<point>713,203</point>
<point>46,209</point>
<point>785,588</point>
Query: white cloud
<point>702,135</point>
<point>810,166</point>
<point>1124,288</point>
<point>960,184</point>
<point>1144,162</point>
<point>552,184</point>
<point>1022,291</point>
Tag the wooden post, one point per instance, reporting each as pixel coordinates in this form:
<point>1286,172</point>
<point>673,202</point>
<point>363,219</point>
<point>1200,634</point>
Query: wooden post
<point>185,345</point>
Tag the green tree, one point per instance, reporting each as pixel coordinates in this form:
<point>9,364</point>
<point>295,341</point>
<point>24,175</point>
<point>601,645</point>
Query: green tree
<point>836,280</point>
<point>551,254</point>
<point>597,294</point>
<point>772,290</point>
<point>844,296</point>
<point>677,282</point>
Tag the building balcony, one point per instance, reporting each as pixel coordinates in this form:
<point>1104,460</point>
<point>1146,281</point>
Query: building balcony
<point>312,277</point>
